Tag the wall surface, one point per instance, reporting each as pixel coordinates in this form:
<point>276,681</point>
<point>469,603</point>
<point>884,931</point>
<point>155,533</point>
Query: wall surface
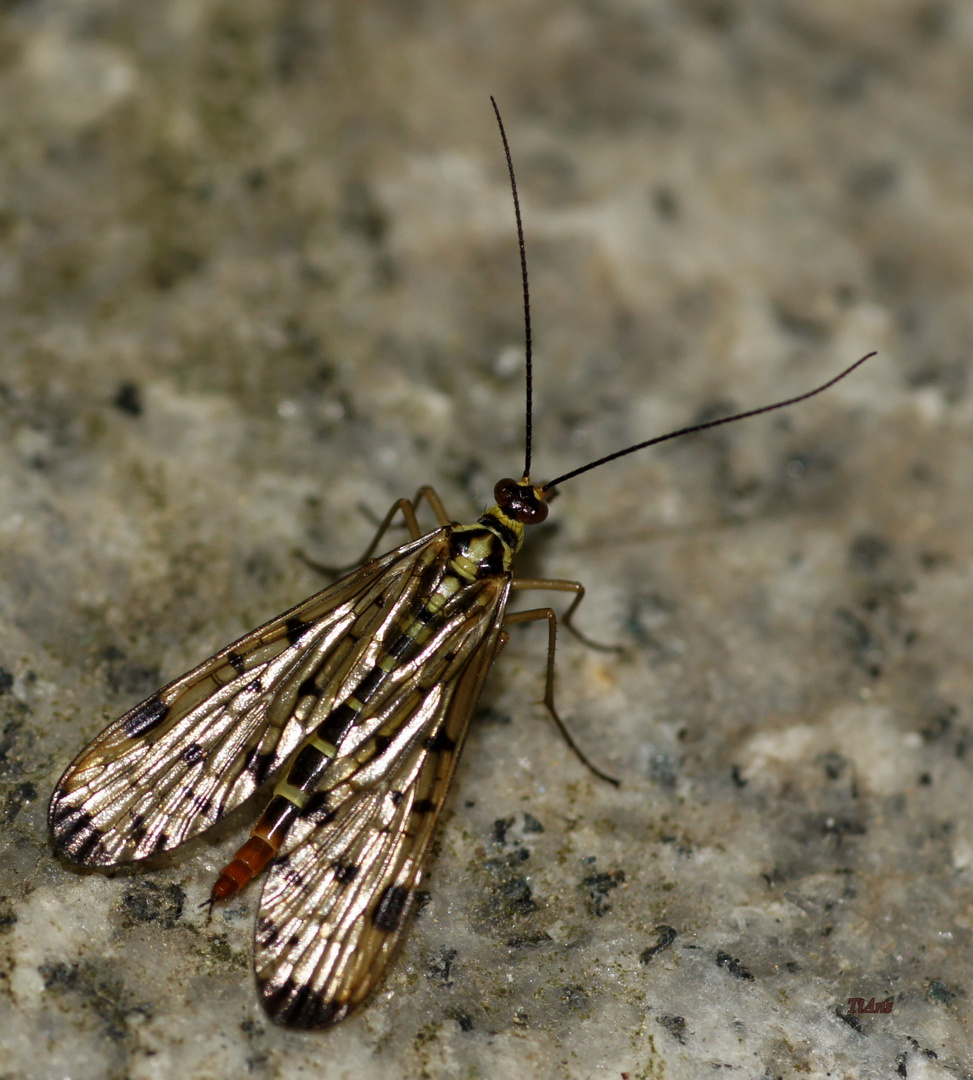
<point>258,270</point>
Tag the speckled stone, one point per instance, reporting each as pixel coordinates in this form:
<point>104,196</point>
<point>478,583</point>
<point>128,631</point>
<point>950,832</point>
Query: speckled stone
<point>258,270</point>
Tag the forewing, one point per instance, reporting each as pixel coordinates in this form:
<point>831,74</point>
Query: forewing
<point>196,749</point>
<point>337,901</point>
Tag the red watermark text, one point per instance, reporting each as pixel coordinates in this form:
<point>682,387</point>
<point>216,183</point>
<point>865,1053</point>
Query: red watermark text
<point>859,1005</point>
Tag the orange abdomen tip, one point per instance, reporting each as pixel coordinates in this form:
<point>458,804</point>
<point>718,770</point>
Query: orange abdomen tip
<point>242,868</point>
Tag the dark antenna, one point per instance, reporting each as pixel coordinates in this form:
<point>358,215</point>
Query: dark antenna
<point>529,367</point>
<point>703,427</point>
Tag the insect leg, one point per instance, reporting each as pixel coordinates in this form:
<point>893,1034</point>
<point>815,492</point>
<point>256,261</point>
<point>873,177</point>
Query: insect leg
<point>435,504</point>
<point>536,615</point>
<point>408,508</point>
<point>560,585</point>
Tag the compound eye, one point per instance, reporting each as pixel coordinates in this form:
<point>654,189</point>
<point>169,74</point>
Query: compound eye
<point>521,501</point>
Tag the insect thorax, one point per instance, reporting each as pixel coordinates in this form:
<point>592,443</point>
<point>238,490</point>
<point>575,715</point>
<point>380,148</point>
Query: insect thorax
<point>486,548</point>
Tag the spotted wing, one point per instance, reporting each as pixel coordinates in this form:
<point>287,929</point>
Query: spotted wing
<point>182,759</point>
<point>339,897</point>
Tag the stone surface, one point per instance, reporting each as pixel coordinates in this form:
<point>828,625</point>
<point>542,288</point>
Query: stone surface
<point>258,269</point>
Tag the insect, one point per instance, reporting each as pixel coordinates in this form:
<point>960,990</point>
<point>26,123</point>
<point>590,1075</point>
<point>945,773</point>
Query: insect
<point>356,703</point>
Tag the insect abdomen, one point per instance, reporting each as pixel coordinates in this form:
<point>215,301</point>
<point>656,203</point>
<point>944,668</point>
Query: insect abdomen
<point>444,598</point>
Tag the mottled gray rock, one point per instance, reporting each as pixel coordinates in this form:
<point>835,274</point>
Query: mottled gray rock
<point>258,268</point>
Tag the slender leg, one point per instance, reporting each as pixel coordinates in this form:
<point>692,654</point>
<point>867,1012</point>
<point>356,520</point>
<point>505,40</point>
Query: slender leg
<point>408,510</point>
<point>435,504</point>
<point>536,615</point>
<point>559,585</point>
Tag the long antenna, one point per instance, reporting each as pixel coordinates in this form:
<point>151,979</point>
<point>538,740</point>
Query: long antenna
<point>529,367</point>
<point>703,427</point>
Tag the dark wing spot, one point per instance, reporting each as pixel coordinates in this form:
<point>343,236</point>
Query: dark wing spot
<point>294,628</point>
<point>440,742</point>
<point>76,836</point>
<point>258,765</point>
<point>59,813</point>
<point>381,744</point>
<point>236,661</point>
<point>143,718</point>
<point>316,809</point>
<point>302,1007</point>
<point>391,908</point>
<point>161,843</point>
<point>309,688</point>
<point>293,877</point>
<point>396,797</point>
<point>192,754</point>
<point>84,849</point>
<point>423,806</point>
<point>202,805</point>
<point>138,830</point>
<point>253,687</point>
<point>345,872</point>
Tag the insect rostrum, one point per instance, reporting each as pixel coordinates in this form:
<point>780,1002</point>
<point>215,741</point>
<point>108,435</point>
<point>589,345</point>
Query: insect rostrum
<point>357,703</point>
